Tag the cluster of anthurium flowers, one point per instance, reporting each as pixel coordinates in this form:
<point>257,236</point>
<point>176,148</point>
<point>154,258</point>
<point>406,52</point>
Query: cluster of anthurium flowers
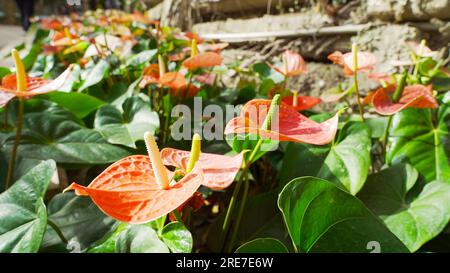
<point>395,94</point>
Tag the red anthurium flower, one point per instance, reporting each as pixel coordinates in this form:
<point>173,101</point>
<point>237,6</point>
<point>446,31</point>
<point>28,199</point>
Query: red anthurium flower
<point>293,64</point>
<point>34,86</point>
<point>195,203</point>
<point>219,170</point>
<point>51,23</point>
<point>414,96</point>
<point>138,189</point>
<point>366,61</point>
<point>202,60</point>
<point>292,126</point>
<point>150,75</point>
<point>301,103</point>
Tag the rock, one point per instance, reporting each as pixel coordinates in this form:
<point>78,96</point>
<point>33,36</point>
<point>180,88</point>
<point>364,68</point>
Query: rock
<point>303,20</point>
<point>408,10</point>
<point>379,41</point>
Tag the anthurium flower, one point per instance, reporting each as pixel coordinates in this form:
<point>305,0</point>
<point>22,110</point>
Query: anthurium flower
<point>175,81</point>
<point>51,24</point>
<point>150,75</point>
<point>27,87</point>
<point>139,189</point>
<point>301,103</point>
<point>414,96</point>
<point>202,60</point>
<point>219,170</point>
<point>366,61</point>
<point>293,64</point>
<point>292,126</point>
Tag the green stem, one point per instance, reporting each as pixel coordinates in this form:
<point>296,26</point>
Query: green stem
<point>355,80</point>
<point>386,134</point>
<point>266,126</point>
<point>57,230</point>
<point>12,160</point>
<point>239,216</point>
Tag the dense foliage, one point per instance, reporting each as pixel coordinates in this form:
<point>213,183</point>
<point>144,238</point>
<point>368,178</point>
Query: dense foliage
<point>372,175</point>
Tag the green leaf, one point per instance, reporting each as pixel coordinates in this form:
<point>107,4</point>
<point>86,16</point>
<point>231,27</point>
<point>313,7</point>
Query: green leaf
<point>78,103</point>
<point>140,239</point>
<point>248,142</point>
<point>387,193</point>
<point>321,217</point>
<point>128,126</point>
<point>263,245</point>
<point>23,216</point>
<point>4,71</point>
<point>421,138</point>
<point>95,75</point>
<point>177,237</point>
<point>346,162</point>
<point>108,243</point>
<point>142,57</point>
<point>55,133</point>
<point>78,218</point>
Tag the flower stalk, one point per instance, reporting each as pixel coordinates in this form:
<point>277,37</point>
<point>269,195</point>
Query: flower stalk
<point>355,79</point>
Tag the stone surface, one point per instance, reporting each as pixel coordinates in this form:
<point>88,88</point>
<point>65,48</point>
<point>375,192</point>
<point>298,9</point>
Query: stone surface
<point>408,10</point>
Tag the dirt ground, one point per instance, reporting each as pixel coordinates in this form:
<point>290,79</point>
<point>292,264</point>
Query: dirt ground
<point>9,35</point>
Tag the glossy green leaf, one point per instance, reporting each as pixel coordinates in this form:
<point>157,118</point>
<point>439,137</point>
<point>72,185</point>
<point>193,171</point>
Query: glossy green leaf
<point>50,131</point>
<point>415,218</point>
<point>177,237</point>
<point>347,161</point>
<point>141,57</point>
<point>321,217</point>
<point>421,138</point>
<point>129,125</point>
<point>248,142</point>
<point>79,104</point>
<point>95,75</point>
<point>23,216</point>
<point>263,245</point>
<point>140,239</point>
<point>78,218</point>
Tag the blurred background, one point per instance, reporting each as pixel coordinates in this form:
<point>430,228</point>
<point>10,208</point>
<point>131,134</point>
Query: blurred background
<point>260,30</point>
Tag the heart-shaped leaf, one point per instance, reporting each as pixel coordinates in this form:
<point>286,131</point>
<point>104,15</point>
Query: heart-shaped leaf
<point>79,104</point>
<point>95,75</point>
<point>387,193</point>
<point>321,217</point>
<point>79,220</point>
<point>347,161</point>
<point>140,239</point>
<point>263,245</point>
<point>141,58</point>
<point>23,216</point>
<point>50,131</point>
<point>177,237</point>
<point>421,138</point>
<point>240,143</point>
<point>129,125</point>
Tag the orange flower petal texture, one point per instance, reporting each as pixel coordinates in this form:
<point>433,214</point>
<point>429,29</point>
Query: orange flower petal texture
<point>366,61</point>
<point>35,86</point>
<point>203,60</point>
<point>290,125</point>
<point>414,96</point>
<point>295,64</point>
<point>219,170</point>
<point>173,80</point>
<point>303,102</point>
<point>127,190</point>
